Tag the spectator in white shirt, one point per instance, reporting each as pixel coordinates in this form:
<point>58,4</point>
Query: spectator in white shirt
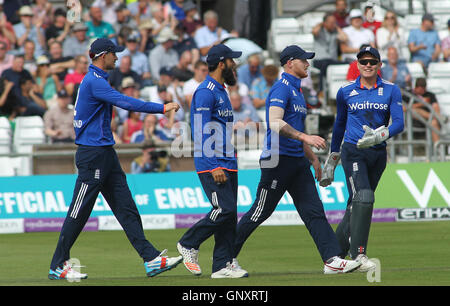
<point>210,34</point>
<point>390,34</point>
<point>357,36</point>
<point>200,72</point>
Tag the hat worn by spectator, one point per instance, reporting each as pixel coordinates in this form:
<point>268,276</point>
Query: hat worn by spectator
<point>42,60</point>
<point>294,52</point>
<point>79,26</point>
<point>219,53</point>
<point>134,36</point>
<point>428,17</point>
<point>189,5</point>
<point>103,45</point>
<point>165,71</point>
<point>369,50</point>
<point>355,13</point>
<point>146,24</point>
<point>63,93</point>
<point>25,11</point>
<point>128,82</point>
<point>166,34</point>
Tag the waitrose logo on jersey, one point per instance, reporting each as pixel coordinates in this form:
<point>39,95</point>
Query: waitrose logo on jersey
<point>365,105</point>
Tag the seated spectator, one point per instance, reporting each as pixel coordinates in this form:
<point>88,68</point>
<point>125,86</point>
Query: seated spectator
<point>147,39</point>
<point>165,121</point>
<point>175,8</point>
<point>139,60</point>
<point>446,44</point>
<point>6,59</point>
<point>396,71</point>
<point>420,90</point>
<point>140,9</point>
<point>72,80</point>
<point>58,120</point>
<point>189,87</point>
<point>369,18</point>
<point>131,125</point>
<point>390,34</point>
<point>48,83</point>
<point>31,102</point>
<point>124,70</point>
<point>29,58</point>
<point>78,42</point>
<point>151,160</point>
<point>59,64</point>
<point>250,71</point>
<point>182,71</point>
<point>242,112</point>
<point>7,103</point>
<point>124,18</point>
<point>357,36</point>
<point>97,28</point>
<point>129,88</point>
<point>262,85</point>
<point>26,29</point>
<point>192,22</point>
<point>15,74</point>
<point>149,132</point>
<point>163,55</point>
<point>327,36</point>
<point>7,34</point>
<point>185,42</point>
<point>353,71</point>
<point>210,34</point>
<point>59,29</point>
<point>108,8</point>
<point>42,9</point>
<point>341,14</point>
<point>161,20</point>
<point>424,43</point>
<point>174,89</point>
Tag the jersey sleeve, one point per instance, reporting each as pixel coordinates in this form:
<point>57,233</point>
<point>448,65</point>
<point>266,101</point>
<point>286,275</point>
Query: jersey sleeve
<point>279,96</point>
<point>340,122</point>
<point>202,108</point>
<point>396,110</point>
<point>104,92</point>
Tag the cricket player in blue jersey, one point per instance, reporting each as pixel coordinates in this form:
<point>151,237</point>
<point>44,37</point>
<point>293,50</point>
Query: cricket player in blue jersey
<point>99,169</point>
<point>285,165</point>
<point>216,165</point>
<point>364,108</point>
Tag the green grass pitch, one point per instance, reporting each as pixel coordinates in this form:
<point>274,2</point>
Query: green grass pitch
<point>410,253</point>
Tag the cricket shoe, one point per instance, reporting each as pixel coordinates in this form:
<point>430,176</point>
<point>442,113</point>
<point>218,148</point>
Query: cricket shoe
<point>336,265</point>
<point>66,272</point>
<point>235,265</point>
<point>366,264</point>
<point>230,272</point>
<point>161,264</point>
<point>190,259</point>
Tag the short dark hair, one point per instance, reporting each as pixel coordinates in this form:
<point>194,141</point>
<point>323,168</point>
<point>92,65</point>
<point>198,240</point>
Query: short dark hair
<point>421,82</point>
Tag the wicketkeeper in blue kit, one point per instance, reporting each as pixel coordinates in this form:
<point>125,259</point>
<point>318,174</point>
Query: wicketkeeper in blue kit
<point>364,108</point>
<point>99,169</point>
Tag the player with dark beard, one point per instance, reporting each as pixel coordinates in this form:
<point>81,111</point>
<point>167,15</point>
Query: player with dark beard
<point>216,165</point>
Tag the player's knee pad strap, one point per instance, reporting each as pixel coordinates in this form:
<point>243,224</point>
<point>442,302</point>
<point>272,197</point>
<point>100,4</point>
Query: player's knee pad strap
<point>364,196</point>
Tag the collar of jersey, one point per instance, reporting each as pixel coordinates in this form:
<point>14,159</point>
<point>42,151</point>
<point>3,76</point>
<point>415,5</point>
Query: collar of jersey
<point>293,80</point>
<point>99,71</point>
<point>358,83</point>
<point>218,85</point>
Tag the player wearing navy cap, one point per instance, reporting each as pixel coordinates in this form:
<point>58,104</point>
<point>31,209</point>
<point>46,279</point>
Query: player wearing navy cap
<point>364,107</point>
<point>216,165</point>
<point>99,169</point>
<point>286,161</point>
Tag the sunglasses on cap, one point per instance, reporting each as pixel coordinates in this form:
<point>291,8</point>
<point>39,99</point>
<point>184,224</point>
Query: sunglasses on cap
<point>372,62</point>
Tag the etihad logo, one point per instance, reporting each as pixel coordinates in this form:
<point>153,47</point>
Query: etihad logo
<point>367,105</point>
<point>225,112</point>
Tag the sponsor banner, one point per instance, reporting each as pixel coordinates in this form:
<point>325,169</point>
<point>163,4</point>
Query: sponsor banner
<point>11,226</point>
<point>424,214</point>
<point>418,185</point>
<point>54,224</point>
<point>110,223</point>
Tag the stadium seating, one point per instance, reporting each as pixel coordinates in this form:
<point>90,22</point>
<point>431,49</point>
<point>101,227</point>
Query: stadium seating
<point>283,32</point>
<point>336,77</point>
<point>402,6</point>
<point>439,70</point>
<point>438,6</point>
<point>416,70</point>
<point>438,85</point>
<point>29,131</point>
<point>5,136</point>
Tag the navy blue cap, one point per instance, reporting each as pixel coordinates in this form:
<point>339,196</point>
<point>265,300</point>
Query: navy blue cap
<point>294,52</point>
<point>103,45</point>
<point>220,52</point>
<point>369,50</point>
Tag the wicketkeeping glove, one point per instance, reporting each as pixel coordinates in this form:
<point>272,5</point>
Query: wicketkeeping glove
<point>372,137</point>
<point>328,169</point>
